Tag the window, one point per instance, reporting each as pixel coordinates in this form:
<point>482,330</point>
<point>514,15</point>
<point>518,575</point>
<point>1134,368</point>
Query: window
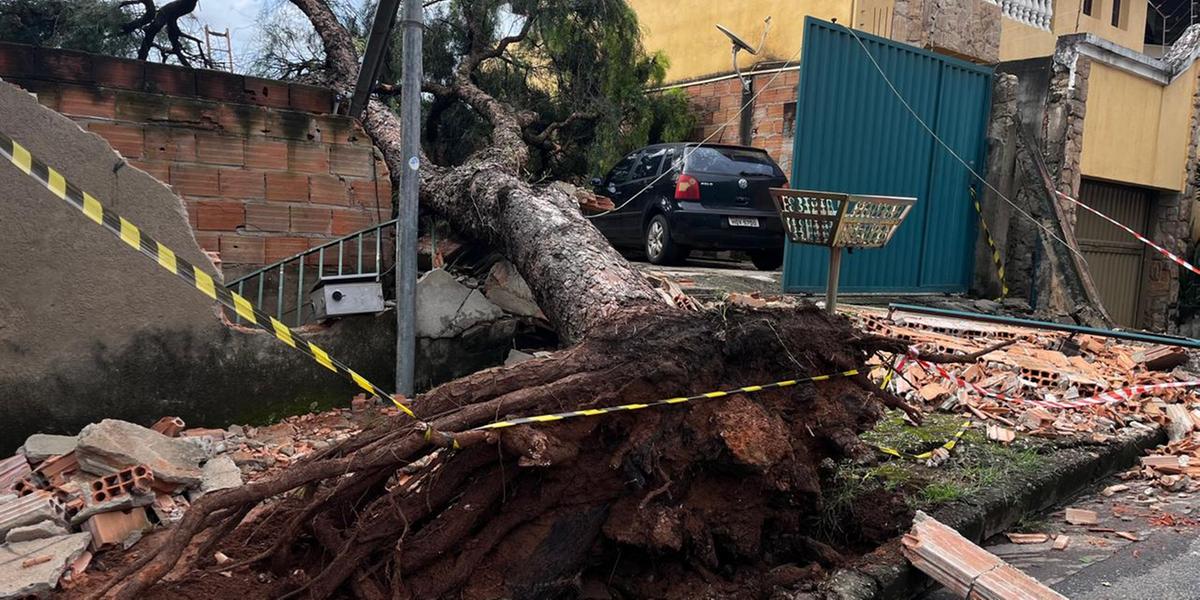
<point>1087,7</point>
<point>648,167</point>
<point>789,118</point>
<point>620,172</point>
<point>731,161</point>
<point>1116,15</point>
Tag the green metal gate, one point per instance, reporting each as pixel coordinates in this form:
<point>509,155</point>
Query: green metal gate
<point>853,134</point>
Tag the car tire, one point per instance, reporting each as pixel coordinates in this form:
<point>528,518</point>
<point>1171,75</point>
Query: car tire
<point>656,240</point>
<point>767,260</point>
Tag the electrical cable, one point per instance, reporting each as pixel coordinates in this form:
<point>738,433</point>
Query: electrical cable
<point>689,149</point>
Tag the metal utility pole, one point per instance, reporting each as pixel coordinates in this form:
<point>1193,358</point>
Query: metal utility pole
<point>406,223</point>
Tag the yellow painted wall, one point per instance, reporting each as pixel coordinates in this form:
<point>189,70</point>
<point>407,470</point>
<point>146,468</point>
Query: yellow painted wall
<point>1018,40</point>
<point>1136,131</point>
<point>686,31</point>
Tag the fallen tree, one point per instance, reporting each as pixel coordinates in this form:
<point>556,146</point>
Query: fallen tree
<point>663,502</point>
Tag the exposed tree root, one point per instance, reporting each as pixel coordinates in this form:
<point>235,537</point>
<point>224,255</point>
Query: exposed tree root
<point>708,487</point>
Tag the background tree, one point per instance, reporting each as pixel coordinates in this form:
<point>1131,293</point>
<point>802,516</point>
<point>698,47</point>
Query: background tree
<point>438,508</point>
<point>87,25</point>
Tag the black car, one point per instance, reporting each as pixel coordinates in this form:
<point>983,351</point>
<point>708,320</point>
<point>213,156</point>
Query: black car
<point>672,198</point>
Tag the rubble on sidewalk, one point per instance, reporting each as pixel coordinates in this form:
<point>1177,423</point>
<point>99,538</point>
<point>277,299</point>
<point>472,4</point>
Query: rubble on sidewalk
<point>117,481</point>
<point>966,569</point>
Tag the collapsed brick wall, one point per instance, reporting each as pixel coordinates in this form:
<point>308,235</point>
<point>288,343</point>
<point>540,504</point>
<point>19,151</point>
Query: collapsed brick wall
<point>773,115</point>
<point>265,167</point>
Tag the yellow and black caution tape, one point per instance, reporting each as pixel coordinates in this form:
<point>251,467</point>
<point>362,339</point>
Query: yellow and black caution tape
<point>592,412</point>
<point>167,259</point>
<point>987,233</point>
<point>948,446</point>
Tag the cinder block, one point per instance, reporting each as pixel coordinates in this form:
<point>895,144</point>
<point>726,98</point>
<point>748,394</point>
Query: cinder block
<point>287,187</point>
<point>352,161</point>
<point>241,250</point>
<point>220,149</point>
<point>126,139</point>
<point>279,248</point>
<point>213,215</point>
<point>268,217</point>
<point>194,180</point>
<point>140,107</point>
<point>119,73</point>
<point>219,85</point>
<point>266,92</point>
<point>266,154</point>
<point>328,189</point>
<point>310,219</point>
<point>114,527</point>
<point>169,79</point>
<point>349,221</point>
<point>169,426</point>
<point>169,143</point>
<point>308,158</point>
<point>308,98</point>
<point>79,101</point>
<point>240,183</point>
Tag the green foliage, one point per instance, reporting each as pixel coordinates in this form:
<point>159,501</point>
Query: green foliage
<point>88,25</point>
<point>581,57</point>
<point>287,46</point>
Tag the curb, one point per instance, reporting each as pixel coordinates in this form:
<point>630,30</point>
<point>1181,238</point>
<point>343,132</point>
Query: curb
<point>885,574</point>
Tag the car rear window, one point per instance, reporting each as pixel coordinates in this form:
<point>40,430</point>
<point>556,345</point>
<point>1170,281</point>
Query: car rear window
<point>730,161</point>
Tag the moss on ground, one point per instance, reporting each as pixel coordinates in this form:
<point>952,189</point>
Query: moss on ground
<point>975,464</point>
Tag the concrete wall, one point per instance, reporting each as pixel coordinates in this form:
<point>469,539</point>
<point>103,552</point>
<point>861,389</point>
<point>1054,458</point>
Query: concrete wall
<point>266,169</point>
<point>1136,129</point>
<point>91,329</point>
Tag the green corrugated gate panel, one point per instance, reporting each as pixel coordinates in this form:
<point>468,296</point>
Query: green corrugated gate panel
<point>854,135</point>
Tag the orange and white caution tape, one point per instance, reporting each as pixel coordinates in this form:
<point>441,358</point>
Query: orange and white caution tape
<point>1167,253</point>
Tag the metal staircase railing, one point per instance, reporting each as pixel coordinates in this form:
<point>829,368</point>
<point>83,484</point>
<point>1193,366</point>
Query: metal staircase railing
<point>283,283</point>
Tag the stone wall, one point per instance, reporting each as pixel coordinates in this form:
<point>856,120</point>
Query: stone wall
<point>265,167</point>
<point>969,29</point>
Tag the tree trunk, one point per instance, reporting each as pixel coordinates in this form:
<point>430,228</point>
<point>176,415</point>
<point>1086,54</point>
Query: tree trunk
<point>708,497</point>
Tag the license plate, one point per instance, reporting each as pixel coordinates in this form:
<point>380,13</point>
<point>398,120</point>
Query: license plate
<point>743,222</point>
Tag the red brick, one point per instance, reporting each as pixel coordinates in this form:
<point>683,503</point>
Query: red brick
<point>170,143</point>
<point>119,73</point>
<point>310,219</point>
<point>362,192</point>
<point>268,217</point>
<point>208,240</point>
<point>157,169</point>
<point>288,187</point>
<point>383,188</point>
<point>266,92</point>
<point>242,250</point>
<point>65,65</point>
<point>240,183</point>
<point>279,248</point>
<point>310,99</point>
<point>214,215</point>
<point>170,80</point>
<point>200,114</point>
<point>125,139</point>
<point>352,160</point>
<point>328,189</point>
<point>220,149</point>
<point>244,120</point>
<point>194,180</point>
<point>85,102</point>
<point>219,85</point>
<point>308,158</point>
<point>263,153</point>
<point>349,221</point>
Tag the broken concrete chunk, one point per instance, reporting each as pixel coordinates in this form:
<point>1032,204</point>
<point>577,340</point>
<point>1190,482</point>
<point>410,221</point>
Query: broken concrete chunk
<point>516,357</point>
<point>27,510</point>
<point>41,446</point>
<point>37,531</point>
<point>506,289</point>
<point>446,307</point>
<point>220,473</point>
<point>40,578</point>
<point>111,445</point>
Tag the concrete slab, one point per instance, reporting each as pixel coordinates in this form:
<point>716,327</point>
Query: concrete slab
<point>33,568</point>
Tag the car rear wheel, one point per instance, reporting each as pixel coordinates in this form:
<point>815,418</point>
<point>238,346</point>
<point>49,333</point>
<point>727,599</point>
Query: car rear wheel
<point>660,250</point>
<point>767,260</point>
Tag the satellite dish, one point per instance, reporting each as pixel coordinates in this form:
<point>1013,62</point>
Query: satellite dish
<point>738,42</point>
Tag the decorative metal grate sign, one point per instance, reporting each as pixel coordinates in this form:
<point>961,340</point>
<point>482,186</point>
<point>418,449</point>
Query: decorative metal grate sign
<point>839,221</point>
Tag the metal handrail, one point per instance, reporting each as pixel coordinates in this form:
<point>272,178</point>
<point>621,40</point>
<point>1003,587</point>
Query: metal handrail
<point>279,270</point>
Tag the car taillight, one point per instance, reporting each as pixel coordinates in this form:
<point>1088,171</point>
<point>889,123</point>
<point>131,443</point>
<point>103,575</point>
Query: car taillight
<point>687,188</point>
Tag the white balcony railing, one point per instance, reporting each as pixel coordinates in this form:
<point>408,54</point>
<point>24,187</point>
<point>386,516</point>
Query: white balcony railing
<point>1035,13</point>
